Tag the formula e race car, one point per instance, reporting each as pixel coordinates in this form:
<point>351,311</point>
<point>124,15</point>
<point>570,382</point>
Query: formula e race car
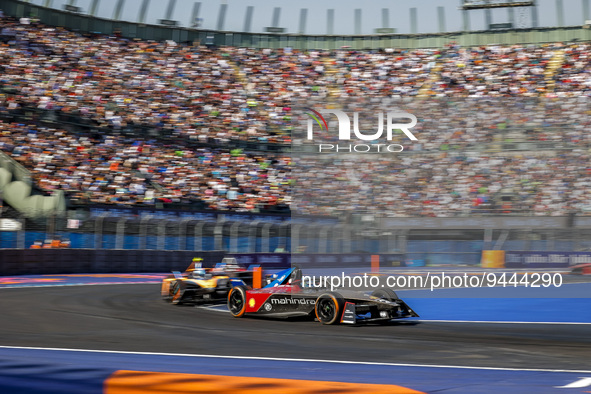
<point>285,297</point>
<point>581,269</point>
<point>199,284</point>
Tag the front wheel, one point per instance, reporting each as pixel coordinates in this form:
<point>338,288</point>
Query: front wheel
<point>237,301</point>
<point>177,292</point>
<point>329,308</point>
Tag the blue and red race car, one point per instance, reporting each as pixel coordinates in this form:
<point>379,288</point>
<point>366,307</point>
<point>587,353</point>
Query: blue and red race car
<point>285,297</point>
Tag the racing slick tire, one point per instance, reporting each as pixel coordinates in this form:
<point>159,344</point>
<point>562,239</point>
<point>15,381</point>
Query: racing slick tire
<point>386,294</point>
<point>237,301</point>
<point>177,293</point>
<point>329,308</point>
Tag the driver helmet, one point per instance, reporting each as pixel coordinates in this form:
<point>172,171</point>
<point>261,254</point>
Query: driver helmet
<point>197,262</point>
<point>199,273</point>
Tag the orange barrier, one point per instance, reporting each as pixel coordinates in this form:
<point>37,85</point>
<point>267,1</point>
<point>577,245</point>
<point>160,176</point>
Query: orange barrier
<point>139,382</point>
<point>375,263</point>
<point>493,259</point>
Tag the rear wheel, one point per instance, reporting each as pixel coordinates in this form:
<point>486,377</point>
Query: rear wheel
<point>386,294</point>
<point>329,308</point>
<point>237,301</point>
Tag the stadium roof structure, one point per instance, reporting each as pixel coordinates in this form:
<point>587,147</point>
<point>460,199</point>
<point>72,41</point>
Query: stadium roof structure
<point>85,20</point>
<point>483,4</point>
<point>331,17</point>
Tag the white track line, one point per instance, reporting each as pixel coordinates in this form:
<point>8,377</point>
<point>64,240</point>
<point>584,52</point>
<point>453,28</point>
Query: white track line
<point>295,360</point>
<point>213,308</point>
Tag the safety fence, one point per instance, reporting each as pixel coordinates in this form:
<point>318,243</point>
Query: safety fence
<point>419,241</point>
<point>147,233</point>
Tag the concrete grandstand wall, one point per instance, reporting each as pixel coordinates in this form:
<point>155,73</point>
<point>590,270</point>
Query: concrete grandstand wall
<point>15,186</point>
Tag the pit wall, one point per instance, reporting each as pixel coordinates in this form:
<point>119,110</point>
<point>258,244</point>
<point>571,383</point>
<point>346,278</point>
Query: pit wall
<point>74,261</point>
<point>89,261</point>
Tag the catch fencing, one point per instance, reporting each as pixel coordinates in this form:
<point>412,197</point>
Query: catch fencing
<point>417,241</point>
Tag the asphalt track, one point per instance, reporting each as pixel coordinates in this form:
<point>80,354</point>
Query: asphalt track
<point>133,318</point>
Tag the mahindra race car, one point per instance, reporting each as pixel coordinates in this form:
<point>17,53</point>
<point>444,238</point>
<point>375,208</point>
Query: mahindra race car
<point>199,284</point>
<point>284,297</point>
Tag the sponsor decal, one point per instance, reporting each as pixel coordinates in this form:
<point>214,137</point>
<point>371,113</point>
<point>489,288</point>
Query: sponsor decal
<point>268,307</point>
<point>293,301</point>
<point>545,259</point>
<point>349,314</point>
<point>10,225</point>
<point>251,302</point>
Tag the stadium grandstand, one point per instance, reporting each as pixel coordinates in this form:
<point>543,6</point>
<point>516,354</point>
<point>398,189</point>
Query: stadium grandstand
<point>101,117</point>
<point>295,197</point>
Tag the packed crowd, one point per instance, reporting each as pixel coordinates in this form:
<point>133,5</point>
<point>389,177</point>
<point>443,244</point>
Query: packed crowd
<point>494,70</point>
<point>481,96</point>
<point>469,123</point>
<point>574,77</point>
<point>451,184</point>
<point>242,93</point>
<point>116,170</point>
<point>118,82</point>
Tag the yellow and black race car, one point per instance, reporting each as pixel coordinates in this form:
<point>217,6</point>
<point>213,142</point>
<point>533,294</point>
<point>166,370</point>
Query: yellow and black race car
<point>199,284</point>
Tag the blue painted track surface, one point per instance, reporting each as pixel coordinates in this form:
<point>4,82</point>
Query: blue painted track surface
<point>557,310</point>
<point>72,371</point>
<point>64,371</point>
<point>569,303</point>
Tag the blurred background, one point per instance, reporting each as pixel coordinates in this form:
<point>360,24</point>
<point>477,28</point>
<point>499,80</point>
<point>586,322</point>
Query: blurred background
<point>127,127</point>
<point>137,137</point>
